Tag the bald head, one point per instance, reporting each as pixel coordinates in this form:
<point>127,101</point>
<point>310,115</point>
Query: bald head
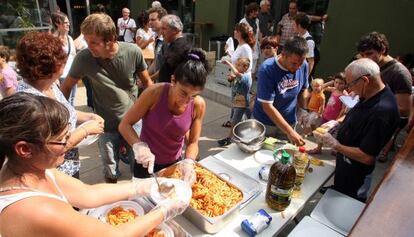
<point>361,67</point>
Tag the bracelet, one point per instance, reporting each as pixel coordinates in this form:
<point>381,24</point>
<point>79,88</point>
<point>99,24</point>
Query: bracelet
<point>86,131</point>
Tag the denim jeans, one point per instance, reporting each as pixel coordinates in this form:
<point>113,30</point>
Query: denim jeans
<point>237,114</point>
<point>71,98</point>
<point>109,146</point>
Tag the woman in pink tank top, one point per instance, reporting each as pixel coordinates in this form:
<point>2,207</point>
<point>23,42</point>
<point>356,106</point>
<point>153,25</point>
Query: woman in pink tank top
<point>169,111</point>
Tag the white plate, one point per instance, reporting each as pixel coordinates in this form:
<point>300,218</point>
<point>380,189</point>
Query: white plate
<point>168,232</point>
<point>182,191</point>
<point>89,139</point>
<point>264,157</point>
<point>102,211</point>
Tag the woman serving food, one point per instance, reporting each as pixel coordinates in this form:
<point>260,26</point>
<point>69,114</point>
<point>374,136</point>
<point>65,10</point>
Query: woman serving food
<point>169,112</point>
<point>32,190</point>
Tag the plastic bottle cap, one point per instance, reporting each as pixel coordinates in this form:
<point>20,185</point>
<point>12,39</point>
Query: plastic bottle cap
<point>285,157</point>
<point>302,149</point>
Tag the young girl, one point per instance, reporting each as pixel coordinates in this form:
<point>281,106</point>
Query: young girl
<point>334,108</point>
<point>242,82</point>
<point>316,106</point>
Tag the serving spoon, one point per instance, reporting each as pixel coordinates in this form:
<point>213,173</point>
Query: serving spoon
<point>165,188</point>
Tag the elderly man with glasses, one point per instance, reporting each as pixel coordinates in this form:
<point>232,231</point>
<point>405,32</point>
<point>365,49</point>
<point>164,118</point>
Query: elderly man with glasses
<point>365,130</point>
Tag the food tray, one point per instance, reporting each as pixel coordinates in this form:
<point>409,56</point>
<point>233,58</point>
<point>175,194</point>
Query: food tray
<point>234,179</point>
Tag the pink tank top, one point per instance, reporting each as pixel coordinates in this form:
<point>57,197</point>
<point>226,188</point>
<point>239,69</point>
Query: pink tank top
<point>163,131</point>
<point>333,107</point>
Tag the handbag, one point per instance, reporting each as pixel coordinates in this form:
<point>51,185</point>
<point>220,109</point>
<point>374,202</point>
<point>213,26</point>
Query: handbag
<point>239,101</point>
<point>121,37</point>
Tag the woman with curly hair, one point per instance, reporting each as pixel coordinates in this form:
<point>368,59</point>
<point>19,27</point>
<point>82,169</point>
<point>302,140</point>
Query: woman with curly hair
<point>145,36</point>
<point>41,59</point>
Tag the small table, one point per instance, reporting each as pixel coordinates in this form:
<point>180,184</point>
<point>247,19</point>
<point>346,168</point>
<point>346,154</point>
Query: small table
<point>148,54</point>
<point>202,25</point>
<point>248,165</point>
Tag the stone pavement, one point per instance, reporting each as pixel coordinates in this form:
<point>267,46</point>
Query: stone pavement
<point>217,111</point>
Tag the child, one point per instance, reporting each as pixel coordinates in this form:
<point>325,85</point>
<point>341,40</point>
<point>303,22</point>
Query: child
<point>316,106</point>
<point>334,108</point>
<point>8,77</point>
<point>242,83</point>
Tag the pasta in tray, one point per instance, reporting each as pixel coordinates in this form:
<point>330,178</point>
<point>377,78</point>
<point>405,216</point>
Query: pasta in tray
<point>211,196</point>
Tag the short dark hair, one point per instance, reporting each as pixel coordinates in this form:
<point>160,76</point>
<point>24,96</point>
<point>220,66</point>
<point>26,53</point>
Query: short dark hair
<point>194,70</point>
<point>252,7</point>
<point>374,40</point>
<point>269,40</point>
<point>295,45</point>
<point>142,19</point>
<point>303,20</point>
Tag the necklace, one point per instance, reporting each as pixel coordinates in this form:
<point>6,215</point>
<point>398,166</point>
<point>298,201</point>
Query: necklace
<point>6,189</point>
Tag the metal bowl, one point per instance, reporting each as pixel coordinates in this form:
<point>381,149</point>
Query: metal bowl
<point>249,132</point>
<point>252,148</point>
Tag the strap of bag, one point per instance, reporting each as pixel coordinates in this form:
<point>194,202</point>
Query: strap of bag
<point>123,35</point>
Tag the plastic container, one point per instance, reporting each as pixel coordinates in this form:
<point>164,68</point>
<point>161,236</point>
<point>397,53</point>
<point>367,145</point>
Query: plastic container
<point>301,163</point>
<point>281,182</point>
<point>256,223</point>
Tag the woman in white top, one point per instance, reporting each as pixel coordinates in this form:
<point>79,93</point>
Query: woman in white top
<point>36,199</point>
<point>245,37</point>
<point>145,36</point>
<point>60,29</point>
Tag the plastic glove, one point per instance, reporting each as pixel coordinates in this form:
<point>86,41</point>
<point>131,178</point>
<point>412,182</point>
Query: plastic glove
<point>172,208</point>
<point>144,156</point>
<point>326,139</point>
<point>187,170</point>
<point>329,125</point>
<point>143,187</point>
<point>301,115</point>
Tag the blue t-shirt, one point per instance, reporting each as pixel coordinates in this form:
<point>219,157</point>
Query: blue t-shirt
<point>241,86</point>
<point>280,87</point>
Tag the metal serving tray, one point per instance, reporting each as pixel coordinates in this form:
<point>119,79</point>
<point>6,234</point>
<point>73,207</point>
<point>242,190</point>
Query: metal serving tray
<point>248,186</point>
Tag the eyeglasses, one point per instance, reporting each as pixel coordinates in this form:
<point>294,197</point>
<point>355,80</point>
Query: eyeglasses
<point>60,142</point>
<point>354,82</point>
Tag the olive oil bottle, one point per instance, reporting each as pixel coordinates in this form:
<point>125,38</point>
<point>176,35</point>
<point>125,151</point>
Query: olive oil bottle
<point>280,184</point>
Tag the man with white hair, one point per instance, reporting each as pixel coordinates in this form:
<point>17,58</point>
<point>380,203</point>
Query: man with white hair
<point>126,27</point>
<point>265,18</point>
<point>175,48</point>
<point>365,130</point>
<point>156,4</point>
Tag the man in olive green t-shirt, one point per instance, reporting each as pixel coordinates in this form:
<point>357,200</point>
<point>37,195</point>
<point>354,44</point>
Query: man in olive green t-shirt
<point>112,68</point>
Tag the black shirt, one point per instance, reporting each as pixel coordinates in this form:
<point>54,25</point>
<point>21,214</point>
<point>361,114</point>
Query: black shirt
<point>397,77</point>
<point>173,54</point>
<point>368,126</point>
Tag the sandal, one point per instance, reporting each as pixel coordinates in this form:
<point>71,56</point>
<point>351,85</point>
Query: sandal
<point>224,142</point>
<point>226,124</point>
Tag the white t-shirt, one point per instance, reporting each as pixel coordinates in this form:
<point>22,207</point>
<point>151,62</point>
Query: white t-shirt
<point>311,45</point>
<point>146,35</point>
<point>70,46</point>
<point>129,35</point>
<point>244,51</point>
